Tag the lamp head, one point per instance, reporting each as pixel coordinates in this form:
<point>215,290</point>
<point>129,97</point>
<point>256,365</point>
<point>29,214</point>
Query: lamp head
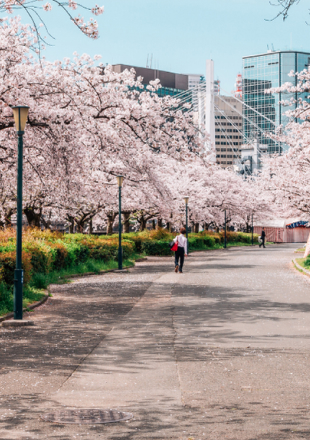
<point>186,200</point>
<point>20,113</point>
<point>120,180</point>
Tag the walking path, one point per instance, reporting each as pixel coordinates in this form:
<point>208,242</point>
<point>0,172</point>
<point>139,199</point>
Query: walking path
<point>218,352</point>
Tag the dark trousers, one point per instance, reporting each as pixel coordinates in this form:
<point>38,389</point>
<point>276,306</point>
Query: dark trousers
<point>179,255</point>
<point>263,242</point>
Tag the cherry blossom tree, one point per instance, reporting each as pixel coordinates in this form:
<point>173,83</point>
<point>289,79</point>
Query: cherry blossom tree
<point>35,8</point>
<point>287,175</point>
<point>86,124</point>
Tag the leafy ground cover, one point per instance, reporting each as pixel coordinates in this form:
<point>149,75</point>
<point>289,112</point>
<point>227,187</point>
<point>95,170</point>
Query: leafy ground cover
<point>51,257</point>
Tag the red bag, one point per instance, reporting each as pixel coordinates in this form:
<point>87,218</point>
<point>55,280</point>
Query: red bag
<point>175,246</point>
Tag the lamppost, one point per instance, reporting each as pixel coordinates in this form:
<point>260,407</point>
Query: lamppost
<point>186,215</point>
<point>225,241</point>
<point>252,231</point>
<point>20,116</point>
<point>120,180</point>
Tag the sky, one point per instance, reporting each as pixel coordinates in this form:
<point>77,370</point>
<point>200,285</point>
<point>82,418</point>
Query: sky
<point>181,35</point>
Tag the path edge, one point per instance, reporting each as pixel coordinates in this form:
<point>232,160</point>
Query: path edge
<point>300,268</point>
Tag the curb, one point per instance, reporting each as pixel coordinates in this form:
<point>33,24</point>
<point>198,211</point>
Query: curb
<point>300,268</point>
<point>89,274</point>
<point>31,307</point>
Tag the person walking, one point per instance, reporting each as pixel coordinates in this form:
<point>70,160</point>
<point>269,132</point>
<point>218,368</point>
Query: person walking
<point>263,237</point>
<point>182,250</point>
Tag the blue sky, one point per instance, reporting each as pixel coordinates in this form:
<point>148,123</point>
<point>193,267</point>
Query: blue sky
<point>181,34</point>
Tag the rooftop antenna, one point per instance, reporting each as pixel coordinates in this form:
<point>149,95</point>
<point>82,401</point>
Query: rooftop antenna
<point>272,47</point>
<point>268,47</point>
<point>147,61</point>
<point>151,61</point>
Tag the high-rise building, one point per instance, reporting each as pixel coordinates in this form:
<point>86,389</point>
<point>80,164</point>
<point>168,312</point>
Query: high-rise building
<point>263,112</point>
<point>194,81</point>
<point>228,129</point>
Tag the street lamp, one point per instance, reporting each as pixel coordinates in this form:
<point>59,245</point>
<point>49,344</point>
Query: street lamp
<point>120,180</point>
<point>252,231</point>
<point>225,241</point>
<point>186,215</point>
<point>20,116</point>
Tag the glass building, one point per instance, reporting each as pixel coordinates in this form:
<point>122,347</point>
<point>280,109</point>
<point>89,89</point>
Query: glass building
<point>262,112</point>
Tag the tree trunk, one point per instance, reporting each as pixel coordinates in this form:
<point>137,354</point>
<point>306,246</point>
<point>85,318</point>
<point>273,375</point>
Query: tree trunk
<point>142,222</point>
<point>206,226</point>
<point>80,226</point>
<point>126,222</point>
<point>71,227</point>
<point>8,218</point>
<point>168,226</point>
<point>111,218</point>
<point>33,218</point>
<point>154,224</point>
<point>159,223</point>
<point>90,226</point>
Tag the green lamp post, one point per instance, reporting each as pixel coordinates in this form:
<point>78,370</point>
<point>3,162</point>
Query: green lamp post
<point>20,116</point>
<point>186,198</point>
<point>120,180</point>
<point>225,240</point>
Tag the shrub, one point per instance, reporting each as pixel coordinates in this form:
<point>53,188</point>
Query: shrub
<point>100,251</point>
<point>39,280</point>
<point>40,255</point>
<point>160,234</point>
<point>60,255</point>
<point>6,298</point>
<point>209,241</point>
<point>8,264</point>
<point>159,247</point>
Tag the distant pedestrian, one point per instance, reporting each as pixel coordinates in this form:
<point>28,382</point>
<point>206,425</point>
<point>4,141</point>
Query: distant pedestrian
<point>182,250</point>
<point>263,237</point>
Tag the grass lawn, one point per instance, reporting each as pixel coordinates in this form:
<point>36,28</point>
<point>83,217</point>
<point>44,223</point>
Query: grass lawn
<point>304,262</point>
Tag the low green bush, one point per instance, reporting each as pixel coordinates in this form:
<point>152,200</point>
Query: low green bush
<point>6,298</point>
<point>159,247</point>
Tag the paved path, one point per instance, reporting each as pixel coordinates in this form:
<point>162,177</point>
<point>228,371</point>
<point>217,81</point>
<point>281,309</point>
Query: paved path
<point>219,352</point>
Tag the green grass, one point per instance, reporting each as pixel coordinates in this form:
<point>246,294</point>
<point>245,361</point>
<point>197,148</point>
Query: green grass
<point>304,262</point>
<point>300,250</point>
<point>41,281</point>
<point>30,295</point>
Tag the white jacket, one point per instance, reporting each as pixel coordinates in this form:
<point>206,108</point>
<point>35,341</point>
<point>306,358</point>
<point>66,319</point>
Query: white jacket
<point>182,242</point>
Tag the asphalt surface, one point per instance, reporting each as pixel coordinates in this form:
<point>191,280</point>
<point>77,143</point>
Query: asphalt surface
<point>221,351</point>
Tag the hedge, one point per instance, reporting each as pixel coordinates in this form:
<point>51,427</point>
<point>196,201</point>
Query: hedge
<point>46,251</point>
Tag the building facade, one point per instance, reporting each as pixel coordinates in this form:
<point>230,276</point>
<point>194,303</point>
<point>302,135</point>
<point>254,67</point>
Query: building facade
<point>172,83</point>
<point>228,130</point>
<point>263,112</point>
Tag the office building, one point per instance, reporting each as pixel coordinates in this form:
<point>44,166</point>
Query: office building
<point>228,130</point>
<point>172,83</point>
<point>263,112</point>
